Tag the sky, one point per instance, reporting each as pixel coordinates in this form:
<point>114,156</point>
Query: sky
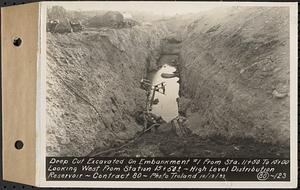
<point>161,8</point>
<point>165,8</point>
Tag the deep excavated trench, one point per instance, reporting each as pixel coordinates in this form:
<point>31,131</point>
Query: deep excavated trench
<point>227,100</point>
<point>179,140</point>
<point>166,107</point>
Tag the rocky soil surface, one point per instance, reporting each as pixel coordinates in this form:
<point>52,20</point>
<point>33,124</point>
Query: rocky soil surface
<point>235,74</point>
<point>93,86</point>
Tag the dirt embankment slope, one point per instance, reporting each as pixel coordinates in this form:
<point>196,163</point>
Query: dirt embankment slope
<point>93,86</point>
<point>235,74</point>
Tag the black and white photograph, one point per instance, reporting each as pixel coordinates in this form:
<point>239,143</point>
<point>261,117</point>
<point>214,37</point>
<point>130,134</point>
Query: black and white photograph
<point>150,94</point>
<point>211,81</point>
<point>170,80</point>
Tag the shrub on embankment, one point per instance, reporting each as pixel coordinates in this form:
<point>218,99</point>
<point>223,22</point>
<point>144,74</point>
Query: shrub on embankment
<point>235,74</point>
<point>93,86</point>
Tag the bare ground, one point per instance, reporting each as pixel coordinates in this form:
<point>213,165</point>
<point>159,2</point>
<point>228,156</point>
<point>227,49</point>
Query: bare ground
<point>165,142</point>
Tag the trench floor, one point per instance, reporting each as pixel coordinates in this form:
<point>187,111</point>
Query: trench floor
<point>164,142</point>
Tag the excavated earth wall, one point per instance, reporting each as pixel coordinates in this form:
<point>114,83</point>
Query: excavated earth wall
<point>234,68</point>
<point>93,86</point>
